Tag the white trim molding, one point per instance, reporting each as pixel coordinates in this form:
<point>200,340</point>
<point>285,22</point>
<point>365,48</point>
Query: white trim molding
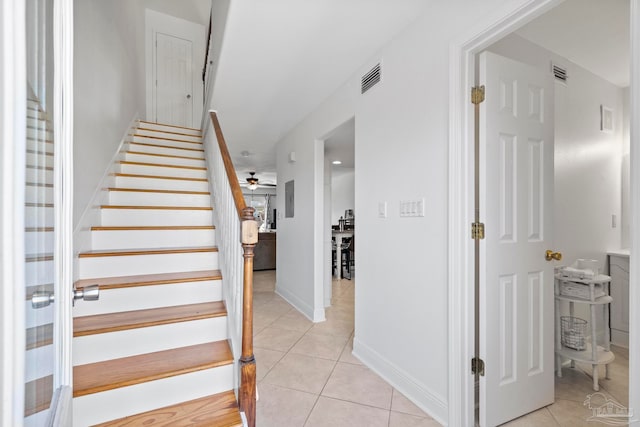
<point>13,94</point>
<point>634,262</point>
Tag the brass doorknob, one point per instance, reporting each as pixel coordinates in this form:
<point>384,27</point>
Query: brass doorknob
<point>550,255</point>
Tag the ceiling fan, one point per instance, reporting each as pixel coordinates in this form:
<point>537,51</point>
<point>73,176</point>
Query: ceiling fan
<point>252,182</point>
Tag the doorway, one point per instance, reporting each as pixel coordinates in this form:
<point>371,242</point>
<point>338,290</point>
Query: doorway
<point>462,327</point>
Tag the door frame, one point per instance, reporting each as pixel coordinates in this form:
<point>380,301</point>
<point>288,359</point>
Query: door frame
<point>461,322</point>
<point>13,120</point>
<point>12,128</point>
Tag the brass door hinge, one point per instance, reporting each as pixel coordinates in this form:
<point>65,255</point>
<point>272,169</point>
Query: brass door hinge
<point>477,366</point>
<point>477,231</point>
<point>477,94</point>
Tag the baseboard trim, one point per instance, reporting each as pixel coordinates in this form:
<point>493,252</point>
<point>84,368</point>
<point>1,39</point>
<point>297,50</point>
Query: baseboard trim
<point>419,394</point>
<point>315,315</point>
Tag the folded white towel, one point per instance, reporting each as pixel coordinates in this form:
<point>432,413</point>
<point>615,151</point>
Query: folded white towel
<point>577,273</point>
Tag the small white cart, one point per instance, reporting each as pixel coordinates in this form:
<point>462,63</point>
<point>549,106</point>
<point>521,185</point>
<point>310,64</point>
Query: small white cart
<point>593,353</point>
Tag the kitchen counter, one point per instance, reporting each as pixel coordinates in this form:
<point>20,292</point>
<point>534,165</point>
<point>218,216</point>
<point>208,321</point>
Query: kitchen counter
<point>265,252</point>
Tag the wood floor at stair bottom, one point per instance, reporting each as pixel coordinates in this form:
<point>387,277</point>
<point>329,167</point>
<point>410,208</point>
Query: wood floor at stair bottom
<point>219,410</point>
<point>120,321</point>
<point>111,374</point>
<point>150,279</point>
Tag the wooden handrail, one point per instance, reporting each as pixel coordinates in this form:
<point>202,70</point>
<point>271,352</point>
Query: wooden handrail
<point>238,197</point>
<point>249,239</point>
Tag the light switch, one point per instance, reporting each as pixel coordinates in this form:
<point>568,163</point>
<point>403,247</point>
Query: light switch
<point>412,208</point>
<point>382,209</point>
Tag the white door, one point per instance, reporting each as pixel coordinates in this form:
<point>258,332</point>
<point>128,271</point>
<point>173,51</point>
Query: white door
<point>516,205</point>
<point>174,84</point>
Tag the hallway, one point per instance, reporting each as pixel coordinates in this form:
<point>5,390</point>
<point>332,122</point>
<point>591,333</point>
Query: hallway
<point>306,373</point>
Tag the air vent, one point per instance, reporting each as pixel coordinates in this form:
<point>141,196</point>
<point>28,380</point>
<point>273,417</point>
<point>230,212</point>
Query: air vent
<point>372,78</point>
<point>559,73</point>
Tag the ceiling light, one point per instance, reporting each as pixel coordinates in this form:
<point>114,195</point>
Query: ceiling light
<point>252,186</point>
<point>337,162</point>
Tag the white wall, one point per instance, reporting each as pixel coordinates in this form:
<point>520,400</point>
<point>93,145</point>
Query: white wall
<point>296,273</point>
<point>588,161</point>
<point>342,194</point>
<point>107,88</point>
<point>401,138</point>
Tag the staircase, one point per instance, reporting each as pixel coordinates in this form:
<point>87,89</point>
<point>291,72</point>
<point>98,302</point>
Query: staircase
<point>153,350</point>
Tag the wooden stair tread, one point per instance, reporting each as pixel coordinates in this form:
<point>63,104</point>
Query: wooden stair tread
<point>178,178</point>
<point>38,395</point>
<point>150,279</point>
<point>142,153</point>
<point>170,126</point>
<point>218,410</point>
<point>171,208</point>
<point>126,371</point>
<point>121,321</point>
<point>162,165</point>
<point>39,336</point>
<point>167,146</point>
<point>168,139</point>
<point>38,257</point>
<point>146,190</point>
<point>153,227</point>
<point>166,131</point>
<point>163,251</point>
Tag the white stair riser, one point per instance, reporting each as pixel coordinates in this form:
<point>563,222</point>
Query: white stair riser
<point>38,217</point>
<point>147,158</point>
<point>38,317</point>
<point>36,194</point>
<point>168,128</point>
<point>145,148</point>
<point>39,362</point>
<point>36,122</point>
<point>36,115</point>
<point>167,142</point>
<point>38,273</point>
<point>159,183</point>
<point>39,134</point>
<point>154,296</point>
<point>175,135</point>
<point>136,198</point>
<point>132,239</point>
<point>39,176</point>
<point>38,419</point>
<point>36,145</point>
<point>35,159</point>
<point>114,345</point>
<point>155,217</point>
<point>111,266</point>
<point>121,402</point>
<point>37,242</point>
<point>162,171</point>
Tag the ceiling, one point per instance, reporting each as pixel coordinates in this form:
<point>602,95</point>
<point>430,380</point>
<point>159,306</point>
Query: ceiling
<point>594,34</point>
<point>197,11</point>
<point>281,59</point>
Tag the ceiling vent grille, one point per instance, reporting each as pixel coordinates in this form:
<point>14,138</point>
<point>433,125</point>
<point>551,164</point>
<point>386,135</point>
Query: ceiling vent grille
<point>559,73</point>
<point>371,78</point>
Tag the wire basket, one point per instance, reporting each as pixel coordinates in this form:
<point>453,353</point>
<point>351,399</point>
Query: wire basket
<point>573,331</point>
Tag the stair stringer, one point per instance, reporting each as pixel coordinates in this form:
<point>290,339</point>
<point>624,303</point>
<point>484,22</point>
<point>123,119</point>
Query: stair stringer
<point>91,214</point>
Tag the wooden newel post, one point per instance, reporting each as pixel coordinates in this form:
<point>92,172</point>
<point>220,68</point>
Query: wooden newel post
<point>247,396</point>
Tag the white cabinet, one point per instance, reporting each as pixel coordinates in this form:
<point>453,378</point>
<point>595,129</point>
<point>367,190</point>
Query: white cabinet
<point>619,271</point>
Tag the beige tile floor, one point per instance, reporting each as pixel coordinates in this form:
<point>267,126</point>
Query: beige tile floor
<point>307,376</point>
<point>306,373</point>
